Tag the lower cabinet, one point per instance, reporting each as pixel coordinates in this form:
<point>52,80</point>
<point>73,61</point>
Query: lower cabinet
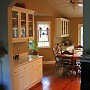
<point>19,82</point>
<point>27,75</point>
<point>38,72</point>
<point>35,71</point>
<point>26,79</point>
<point>32,75</point>
<point>21,77</point>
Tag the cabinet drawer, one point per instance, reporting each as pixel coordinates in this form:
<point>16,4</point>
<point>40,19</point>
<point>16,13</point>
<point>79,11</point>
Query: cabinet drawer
<point>21,69</point>
<point>32,64</point>
<point>16,70</point>
<point>39,61</point>
<point>24,68</point>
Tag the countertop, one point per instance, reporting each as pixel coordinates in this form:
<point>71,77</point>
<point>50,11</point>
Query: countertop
<point>25,59</point>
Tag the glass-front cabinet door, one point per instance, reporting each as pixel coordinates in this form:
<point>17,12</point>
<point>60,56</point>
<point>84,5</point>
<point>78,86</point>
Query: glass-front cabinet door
<point>31,24</point>
<point>15,24</point>
<point>22,24</point>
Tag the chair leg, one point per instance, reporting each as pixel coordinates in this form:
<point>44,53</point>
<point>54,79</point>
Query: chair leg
<point>77,69</point>
<point>54,69</point>
<point>57,69</point>
<point>72,71</point>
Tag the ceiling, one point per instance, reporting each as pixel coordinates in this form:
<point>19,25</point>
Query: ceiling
<point>66,9</point>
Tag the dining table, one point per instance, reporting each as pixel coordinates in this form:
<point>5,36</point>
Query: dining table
<point>76,57</point>
<point>76,54</point>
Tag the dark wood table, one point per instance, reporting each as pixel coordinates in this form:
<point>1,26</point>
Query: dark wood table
<point>77,54</point>
<point>75,57</point>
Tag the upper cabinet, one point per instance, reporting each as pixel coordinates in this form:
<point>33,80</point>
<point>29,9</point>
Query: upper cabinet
<point>62,27</point>
<point>22,24</point>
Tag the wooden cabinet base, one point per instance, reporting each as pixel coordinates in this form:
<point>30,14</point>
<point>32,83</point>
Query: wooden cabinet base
<point>33,84</point>
<point>28,74</point>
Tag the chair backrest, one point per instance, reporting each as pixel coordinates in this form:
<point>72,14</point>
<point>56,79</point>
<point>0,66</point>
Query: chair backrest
<point>56,48</point>
<point>67,52</point>
<point>79,47</point>
<point>56,57</point>
<point>68,59</point>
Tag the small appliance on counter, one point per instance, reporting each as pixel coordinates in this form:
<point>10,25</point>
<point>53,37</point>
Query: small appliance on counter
<point>16,57</point>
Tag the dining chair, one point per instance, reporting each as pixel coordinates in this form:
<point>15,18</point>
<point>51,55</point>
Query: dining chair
<point>78,67</point>
<point>58,62</point>
<point>68,62</point>
<point>78,48</point>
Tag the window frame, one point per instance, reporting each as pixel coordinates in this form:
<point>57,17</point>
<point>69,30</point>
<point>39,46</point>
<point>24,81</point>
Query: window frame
<point>49,34</point>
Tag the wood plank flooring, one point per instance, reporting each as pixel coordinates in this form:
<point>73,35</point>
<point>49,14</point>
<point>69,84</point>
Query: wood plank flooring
<point>56,82</point>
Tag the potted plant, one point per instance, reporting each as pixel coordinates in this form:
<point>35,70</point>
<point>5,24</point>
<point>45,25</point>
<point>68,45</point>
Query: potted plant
<point>33,46</point>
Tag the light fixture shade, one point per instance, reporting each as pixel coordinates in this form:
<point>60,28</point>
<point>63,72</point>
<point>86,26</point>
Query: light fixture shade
<point>74,5</point>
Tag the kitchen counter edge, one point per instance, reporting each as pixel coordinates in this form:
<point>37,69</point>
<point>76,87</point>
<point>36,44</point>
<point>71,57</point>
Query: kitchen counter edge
<point>25,59</point>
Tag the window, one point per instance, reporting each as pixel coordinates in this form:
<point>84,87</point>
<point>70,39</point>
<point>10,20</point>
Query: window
<point>43,33</point>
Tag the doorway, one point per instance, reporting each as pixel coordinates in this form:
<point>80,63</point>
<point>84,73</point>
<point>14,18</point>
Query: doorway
<point>80,34</point>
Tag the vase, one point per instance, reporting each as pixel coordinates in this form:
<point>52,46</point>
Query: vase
<point>35,52</point>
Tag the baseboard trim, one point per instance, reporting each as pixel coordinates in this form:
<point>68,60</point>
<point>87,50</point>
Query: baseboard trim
<point>48,62</point>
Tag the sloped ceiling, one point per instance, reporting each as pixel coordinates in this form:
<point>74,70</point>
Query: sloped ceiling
<point>53,8</point>
<point>41,8</point>
<point>66,9</point>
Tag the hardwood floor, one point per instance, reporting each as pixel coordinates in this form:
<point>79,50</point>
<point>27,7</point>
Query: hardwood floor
<point>56,82</point>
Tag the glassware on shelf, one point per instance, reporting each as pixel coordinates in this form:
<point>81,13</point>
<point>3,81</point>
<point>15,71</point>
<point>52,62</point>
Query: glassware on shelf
<point>23,24</point>
<point>15,32</point>
<point>30,33</point>
<point>15,24</point>
<point>23,16</point>
<point>30,25</point>
<point>23,31</point>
